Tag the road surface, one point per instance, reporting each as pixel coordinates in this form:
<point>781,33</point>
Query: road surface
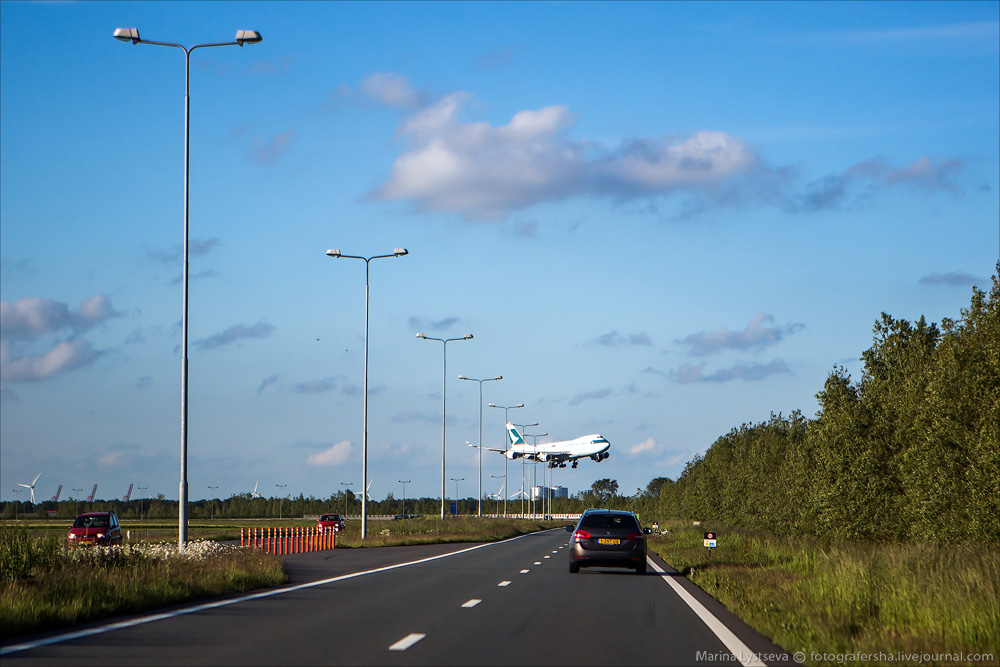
<point>507,603</point>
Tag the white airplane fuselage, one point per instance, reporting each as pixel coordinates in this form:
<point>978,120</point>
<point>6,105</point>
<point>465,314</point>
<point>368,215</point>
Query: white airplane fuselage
<point>587,446</point>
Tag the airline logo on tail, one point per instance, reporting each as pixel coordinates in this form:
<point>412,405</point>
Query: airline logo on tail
<point>514,437</point>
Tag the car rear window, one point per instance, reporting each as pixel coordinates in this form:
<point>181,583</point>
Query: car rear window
<point>609,521</point>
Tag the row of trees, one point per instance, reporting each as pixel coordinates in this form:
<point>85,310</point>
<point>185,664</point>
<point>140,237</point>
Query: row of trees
<point>909,451</point>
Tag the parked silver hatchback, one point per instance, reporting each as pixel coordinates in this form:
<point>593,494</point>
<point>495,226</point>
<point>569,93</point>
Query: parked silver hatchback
<point>607,538</point>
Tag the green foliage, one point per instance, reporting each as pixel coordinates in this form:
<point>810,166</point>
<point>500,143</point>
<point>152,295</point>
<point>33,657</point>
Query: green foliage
<point>910,452</point>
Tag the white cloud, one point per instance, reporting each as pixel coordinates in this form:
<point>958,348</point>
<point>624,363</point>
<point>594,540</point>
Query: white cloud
<point>755,335</point>
<point>392,90</point>
<point>32,318</point>
<point>647,445</point>
<point>64,356</point>
<point>336,455</point>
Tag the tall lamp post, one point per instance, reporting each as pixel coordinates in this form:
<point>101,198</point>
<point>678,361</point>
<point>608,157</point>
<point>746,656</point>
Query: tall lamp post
<point>348,485</point>
<point>78,502</point>
<point>403,512</point>
<point>457,480</point>
<point>505,409</point>
<point>280,499</point>
<point>534,470</point>
<point>523,427</point>
<point>444,403</point>
<point>141,496</point>
<point>242,37</point>
<point>17,502</point>
<point>499,490</point>
<point>479,511</point>
<point>213,502</point>
<point>398,252</point>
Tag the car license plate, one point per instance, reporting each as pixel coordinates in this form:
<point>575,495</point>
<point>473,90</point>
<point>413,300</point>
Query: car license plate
<point>608,541</point>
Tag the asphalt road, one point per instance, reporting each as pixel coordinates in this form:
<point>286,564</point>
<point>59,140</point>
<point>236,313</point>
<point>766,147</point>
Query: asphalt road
<point>509,603</point>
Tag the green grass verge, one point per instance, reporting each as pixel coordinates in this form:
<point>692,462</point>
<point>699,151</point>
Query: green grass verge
<point>46,585</point>
<point>847,597</point>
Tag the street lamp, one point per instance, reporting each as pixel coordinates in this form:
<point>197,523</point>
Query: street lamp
<point>505,422</point>
<point>457,480</point>
<point>242,37</point>
<point>17,503</point>
<point>213,502</point>
<point>499,490</point>
<point>78,502</point>
<point>348,485</point>
<point>523,428</point>
<point>403,512</point>
<point>280,499</point>
<point>479,511</point>
<point>444,385</point>
<point>139,488</point>
<point>335,253</point>
<point>534,469</point>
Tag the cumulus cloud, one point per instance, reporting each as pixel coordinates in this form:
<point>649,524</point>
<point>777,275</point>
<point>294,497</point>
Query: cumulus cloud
<point>335,455</point>
<point>687,374</point>
<point>951,278</point>
<point>64,356</point>
<point>589,395</point>
<point>615,339</point>
<point>755,336</point>
<point>237,332</point>
<point>481,171</point>
<point>647,445</point>
<point>32,318</point>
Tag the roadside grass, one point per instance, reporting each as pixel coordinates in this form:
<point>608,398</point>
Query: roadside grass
<point>46,585</point>
<point>428,530</point>
<point>822,596</point>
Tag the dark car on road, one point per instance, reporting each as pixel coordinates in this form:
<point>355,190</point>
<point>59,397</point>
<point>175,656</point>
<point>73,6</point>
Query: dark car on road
<point>607,538</point>
<point>95,528</point>
<point>328,522</point>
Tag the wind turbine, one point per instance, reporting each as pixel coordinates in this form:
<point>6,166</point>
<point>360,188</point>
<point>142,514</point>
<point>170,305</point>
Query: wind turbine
<point>254,494</point>
<point>31,487</point>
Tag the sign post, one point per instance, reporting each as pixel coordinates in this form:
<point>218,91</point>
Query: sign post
<point>710,542</point>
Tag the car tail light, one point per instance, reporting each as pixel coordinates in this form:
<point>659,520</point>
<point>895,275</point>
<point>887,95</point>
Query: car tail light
<point>581,535</point>
<point>634,536</point>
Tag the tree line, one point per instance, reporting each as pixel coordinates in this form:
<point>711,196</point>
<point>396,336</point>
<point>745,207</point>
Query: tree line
<point>909,451</point>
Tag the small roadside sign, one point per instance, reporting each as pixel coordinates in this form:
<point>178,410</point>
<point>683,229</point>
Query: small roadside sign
<point>710,540</point>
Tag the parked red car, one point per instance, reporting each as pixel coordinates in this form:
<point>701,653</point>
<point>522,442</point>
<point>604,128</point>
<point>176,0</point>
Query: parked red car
<point>329,522</point>
<point>95,528</point>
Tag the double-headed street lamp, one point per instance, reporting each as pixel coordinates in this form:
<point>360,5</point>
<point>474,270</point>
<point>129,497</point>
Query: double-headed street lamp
<point>242,37</point>
<point>462,377</point>
<point>280,499</point>
<point>505,408</point>
<point>534,470</point>
<point>404,483</point>
<point>213,502</point>
<point>398,252</point>
<point>524,428</point>
<point>348,485</point>
<point>444,404</point>
<point>457,480</point>
<point>499,490</point>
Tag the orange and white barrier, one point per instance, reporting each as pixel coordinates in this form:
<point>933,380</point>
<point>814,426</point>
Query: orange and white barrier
<point>288,540</point>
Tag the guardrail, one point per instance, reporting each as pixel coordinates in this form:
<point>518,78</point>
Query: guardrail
<point>289,540</point>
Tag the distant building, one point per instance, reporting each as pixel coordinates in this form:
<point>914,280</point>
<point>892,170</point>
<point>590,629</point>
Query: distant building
<point>552,492</point>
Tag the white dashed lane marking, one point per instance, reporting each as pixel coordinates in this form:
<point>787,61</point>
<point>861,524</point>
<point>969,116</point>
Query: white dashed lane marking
<point>407,641</point>
<point>525,571</point>
<point>503,583</point>
<point>471,603</point>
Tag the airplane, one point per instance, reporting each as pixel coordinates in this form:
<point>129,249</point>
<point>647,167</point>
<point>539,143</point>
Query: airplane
<point>555,454</point>
<point>93,493</point>
<point>127,495</point>
<point>55,498</point>
<point>31,487</point>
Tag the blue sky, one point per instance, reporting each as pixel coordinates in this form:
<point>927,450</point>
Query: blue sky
<point>658,220</point>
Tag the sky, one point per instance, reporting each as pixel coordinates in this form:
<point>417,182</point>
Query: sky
<point>659,221</point>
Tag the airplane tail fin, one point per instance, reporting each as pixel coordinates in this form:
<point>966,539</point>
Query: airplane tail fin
<point>55,498</point>
<point>127,495</point>
<point>512,435</point>
<point>93,493</point>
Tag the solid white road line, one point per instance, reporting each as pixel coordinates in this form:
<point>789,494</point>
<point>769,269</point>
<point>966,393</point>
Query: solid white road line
<point>741,651</point>
<point>471,603</point>
<point>407,641</point>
